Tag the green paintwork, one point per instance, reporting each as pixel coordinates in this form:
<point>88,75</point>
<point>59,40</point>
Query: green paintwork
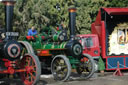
<point>51,41</point>
<point>55,37</point>
<point>73,61</point>
<point>101,65</point>
<point>53,46</point>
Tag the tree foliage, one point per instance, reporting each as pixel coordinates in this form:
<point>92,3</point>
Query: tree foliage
<point>1,16</point>
<point>41,13</point>
<point>118,3</point>
<point>86,14</point>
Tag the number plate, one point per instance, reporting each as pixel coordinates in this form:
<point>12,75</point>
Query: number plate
<point>12,34</point>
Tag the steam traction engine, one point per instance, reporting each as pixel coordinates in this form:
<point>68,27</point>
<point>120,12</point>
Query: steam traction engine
<point>61,53</point>
<point>17,57</point>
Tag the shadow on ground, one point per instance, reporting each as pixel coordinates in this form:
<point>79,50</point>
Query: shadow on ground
<point>18,82</point>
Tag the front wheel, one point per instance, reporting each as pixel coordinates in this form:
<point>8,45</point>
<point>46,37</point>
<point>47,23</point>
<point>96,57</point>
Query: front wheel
<point>61,68</point>
<point>31,63</point>
<point>87,66</point>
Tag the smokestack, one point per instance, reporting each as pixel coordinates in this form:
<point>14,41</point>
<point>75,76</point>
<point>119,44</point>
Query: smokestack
<point>9,5</point>
<point>72,21</point>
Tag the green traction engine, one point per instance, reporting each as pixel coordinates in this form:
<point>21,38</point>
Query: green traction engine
<point>62,54</point>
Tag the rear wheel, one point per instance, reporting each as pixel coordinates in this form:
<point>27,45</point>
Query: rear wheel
<point>60,68</point>
<point>31,63</point>
<point>87,67</point>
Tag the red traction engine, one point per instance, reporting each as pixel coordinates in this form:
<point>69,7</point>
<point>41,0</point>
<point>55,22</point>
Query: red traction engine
<point>17,57</point>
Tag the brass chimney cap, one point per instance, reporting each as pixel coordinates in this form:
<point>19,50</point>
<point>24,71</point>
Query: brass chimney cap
<point>8,0</point>
<point>72,9</point>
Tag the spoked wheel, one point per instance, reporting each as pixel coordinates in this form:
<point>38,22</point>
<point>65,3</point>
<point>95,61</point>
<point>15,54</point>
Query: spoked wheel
<point>31,63</point>
<point>87,67</point>
<point>60,68</point>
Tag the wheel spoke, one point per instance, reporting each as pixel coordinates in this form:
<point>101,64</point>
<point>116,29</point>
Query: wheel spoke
<point>64,67</point>
<point>27,77</point>
<point>61,68</point>
<point>23,52</point>
<point>33,64</point>
<point>86,68</point>
<point>29,61</point>
<point>30,76</point>
<point>57,63</point>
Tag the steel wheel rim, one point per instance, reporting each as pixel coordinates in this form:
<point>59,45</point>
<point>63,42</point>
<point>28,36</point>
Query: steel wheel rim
<point>60,69</point>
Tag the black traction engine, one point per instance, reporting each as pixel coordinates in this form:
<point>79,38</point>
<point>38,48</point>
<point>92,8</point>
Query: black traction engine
<point>17,57</point>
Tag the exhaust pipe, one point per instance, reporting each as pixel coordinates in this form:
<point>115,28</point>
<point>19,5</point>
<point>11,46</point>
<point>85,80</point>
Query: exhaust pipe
<point>9,5</point>
<point>72,21</point>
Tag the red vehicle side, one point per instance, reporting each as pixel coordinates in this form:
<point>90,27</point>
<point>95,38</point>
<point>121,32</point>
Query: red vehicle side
<point>106,21</point>
<point>98,43</point>
<point>90,44</point>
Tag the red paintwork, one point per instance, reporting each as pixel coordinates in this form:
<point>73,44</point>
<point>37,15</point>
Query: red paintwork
<point>10,67</point>
<point>111,11</point>
<point>84,59</point>
<point>98,28</point>
<point>57,28</point>
<point>118,72</point>
<point>94,47</point>
<point>11,70</point>
<point>41,52</point>
<point>30,37</point>
<point>43,37</point>
<point>116,11</point>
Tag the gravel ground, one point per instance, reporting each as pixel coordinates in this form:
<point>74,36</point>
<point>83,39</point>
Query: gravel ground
<point>107,79</point>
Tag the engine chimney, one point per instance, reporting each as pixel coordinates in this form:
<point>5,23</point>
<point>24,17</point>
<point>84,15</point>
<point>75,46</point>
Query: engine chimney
<point>72,21</point>
<point>9,5</point>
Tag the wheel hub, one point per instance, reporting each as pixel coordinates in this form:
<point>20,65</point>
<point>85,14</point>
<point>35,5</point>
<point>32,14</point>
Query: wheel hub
<point>59,68</point>
<point>29,69</point>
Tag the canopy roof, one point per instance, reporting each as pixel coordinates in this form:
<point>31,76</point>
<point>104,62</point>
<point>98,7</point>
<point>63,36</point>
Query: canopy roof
<point>116,11</point>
